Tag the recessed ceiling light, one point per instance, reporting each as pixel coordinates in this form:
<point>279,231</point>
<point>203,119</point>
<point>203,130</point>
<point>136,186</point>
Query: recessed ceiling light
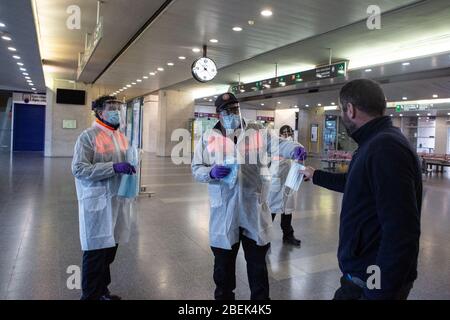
<point>160,69</point>
<point>262,104</point>
<point>138,80</point>
<point>17,58</point>
<point>435,96</point>
<point>401,115</point>
<point>418,114</point>
<point>19,63</point>
<point>133,83</point>
<point>6,38</point>
<point>448,114</point>
<point>405,98</point>
<point>368,70</point>
<point>213,40</point>
<point>251,22</point>
<point>34,89</point>
<point>333,103</point>
<point>215,97</point>
<point>2,25</point>
<point>12,49</point>
<point>266,13</point>
<point>196,49</point>
<point>406,63</point>
<point>182,57</point>
<point>170,64</point>
<point>428,114</point>
<point>23,69</point>
<point>307,105</point>
<point>25,74</point>
<point>296,106</point>
<point>279,102</point>
<point>152,73</point>
<point>319,104</point>
<point>31,84</point>
<point>237,29</point>
<point>392,115</point>
<point>128,85</point>
<point>28,78</point>
<point>210,100</point>
<point>144,77</point>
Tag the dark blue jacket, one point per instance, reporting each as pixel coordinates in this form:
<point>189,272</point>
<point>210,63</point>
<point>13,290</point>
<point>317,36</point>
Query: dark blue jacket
<point>380,215</point>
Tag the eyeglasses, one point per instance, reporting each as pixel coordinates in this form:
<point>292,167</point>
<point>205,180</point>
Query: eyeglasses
<point>231,110</point>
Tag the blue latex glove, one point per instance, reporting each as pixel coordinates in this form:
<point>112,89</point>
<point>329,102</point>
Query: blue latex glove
<point>219,172</point>
<point>299,154</point>
<point>124,168</point>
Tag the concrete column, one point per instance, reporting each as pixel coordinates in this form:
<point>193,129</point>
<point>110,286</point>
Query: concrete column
<point>304,135</point>
<point>150,123</point>
<point>441,135</point>
<point>175,109</point>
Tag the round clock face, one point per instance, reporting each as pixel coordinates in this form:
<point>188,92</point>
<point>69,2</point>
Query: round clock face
<point>204,69</point>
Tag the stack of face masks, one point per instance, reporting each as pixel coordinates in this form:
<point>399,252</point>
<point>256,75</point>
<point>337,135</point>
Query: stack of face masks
<point>294,178</point>
<point>129,187</point>
<point>231,178</point>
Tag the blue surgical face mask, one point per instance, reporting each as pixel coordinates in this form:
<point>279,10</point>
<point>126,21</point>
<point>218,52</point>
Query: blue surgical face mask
<point>232,121</point>
<point>112,117</point>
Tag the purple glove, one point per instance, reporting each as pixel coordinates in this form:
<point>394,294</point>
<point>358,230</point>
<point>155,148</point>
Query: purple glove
<point>299,154</point>
<point>219,172</point>
<point>124,168</point>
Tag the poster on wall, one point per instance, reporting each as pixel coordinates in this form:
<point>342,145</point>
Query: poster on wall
<point>314,132</point>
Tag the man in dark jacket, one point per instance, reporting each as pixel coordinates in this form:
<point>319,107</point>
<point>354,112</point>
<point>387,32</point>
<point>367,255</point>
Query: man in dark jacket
<point>380,216</point>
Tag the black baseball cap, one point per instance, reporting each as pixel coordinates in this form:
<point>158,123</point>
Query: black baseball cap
<point>225,99</point>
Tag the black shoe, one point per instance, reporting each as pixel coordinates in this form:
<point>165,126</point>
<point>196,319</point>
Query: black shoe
<point>110,297</point>
<point>292,241</point>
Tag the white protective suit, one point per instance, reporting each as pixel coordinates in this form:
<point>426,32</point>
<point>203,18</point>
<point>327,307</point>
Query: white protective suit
<point>244,205</point>
<point>281,198</point>
<point>105,218</point>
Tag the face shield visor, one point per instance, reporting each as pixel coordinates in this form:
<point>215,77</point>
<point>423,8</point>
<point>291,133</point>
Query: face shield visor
<point>230,118</point>
<point>113,112</point>
<point>287,134</point>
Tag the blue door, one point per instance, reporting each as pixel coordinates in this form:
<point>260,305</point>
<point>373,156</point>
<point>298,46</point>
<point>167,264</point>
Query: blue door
<point>29,127</point>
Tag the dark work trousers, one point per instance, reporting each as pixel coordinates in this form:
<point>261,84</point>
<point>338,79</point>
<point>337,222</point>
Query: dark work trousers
<point>351,291</point>
<point>225,270</point>
<point>96,275</point>
<point>286,224</point>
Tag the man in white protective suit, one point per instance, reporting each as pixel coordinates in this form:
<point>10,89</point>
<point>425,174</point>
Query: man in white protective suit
<point>282,199</point>
<point>233,159</point>
<point>104,217</point>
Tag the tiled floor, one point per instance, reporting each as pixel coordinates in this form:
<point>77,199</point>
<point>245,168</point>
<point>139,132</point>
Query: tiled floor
<point>168,256</point>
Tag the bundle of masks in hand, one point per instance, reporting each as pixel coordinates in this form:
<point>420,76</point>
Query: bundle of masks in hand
<point>231,178</point>
<point>129,187</point>
<point>294,178</point>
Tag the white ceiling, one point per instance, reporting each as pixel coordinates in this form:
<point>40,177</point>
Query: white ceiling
<point>18,18</point>
<point>190,23</point>
<point>60,45</point>
<point>415,31</point>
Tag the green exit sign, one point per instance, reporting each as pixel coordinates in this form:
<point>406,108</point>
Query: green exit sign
<point>398,108</point>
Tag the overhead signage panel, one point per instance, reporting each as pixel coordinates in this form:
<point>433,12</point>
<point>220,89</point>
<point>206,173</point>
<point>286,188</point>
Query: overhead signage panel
<point>326,72</point>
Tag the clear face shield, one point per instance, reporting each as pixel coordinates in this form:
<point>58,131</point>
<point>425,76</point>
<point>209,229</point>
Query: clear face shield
<point>287,134</point>
<point>231,119</point>
<point>113,112</point>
